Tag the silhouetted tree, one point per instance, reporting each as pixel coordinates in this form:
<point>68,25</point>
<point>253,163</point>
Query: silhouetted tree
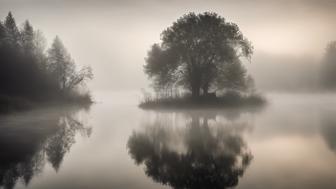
<point>63,68</point>
<point>329,67</point>
<point>39,44</point>
<point>26,72</point>
<point>2,34</point>
<point>250,84</point>
<point>27,34</point>
<point>13,33</point>
<point>199,52</point>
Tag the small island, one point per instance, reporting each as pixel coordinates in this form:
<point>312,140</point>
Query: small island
<point>199,64</point>
<point>31,76</point>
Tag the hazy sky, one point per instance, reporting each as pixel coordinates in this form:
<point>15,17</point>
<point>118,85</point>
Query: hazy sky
<point>114,36</point>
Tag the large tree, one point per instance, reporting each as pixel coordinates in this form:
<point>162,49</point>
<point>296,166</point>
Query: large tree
<point>199,52</point>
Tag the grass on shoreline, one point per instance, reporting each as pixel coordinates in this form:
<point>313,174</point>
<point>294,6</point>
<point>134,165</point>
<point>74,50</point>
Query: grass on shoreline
<point>231,99</point>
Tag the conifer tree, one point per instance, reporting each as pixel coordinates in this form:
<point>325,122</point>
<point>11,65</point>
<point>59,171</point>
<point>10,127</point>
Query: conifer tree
<point>27,34</point>
<point>12,30</point>
<point>63,68</point>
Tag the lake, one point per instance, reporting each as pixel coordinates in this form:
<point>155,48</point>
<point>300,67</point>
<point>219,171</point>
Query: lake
<point>289,143</point>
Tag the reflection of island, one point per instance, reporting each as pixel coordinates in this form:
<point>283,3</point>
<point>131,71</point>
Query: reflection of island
<point>26,146</point>
<point>203,153</point>
<point>328,126</point>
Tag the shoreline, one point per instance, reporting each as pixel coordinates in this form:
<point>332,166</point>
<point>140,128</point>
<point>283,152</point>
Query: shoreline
<point>222,102</point>
<point>9,105</point>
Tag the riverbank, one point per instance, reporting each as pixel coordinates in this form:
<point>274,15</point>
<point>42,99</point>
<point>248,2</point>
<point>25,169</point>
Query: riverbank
<point>10,104</point>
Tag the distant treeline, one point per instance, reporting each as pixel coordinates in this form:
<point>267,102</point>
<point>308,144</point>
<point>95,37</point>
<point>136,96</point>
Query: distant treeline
<point>328,71</point>
<point>296,73</point>
<point>28,71</point>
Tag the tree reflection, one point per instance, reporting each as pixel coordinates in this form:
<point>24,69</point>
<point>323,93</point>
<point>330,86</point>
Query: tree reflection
<point>328,126</point>
<point>204,153</point>
<point>26,147</point>
<point>61,142</point>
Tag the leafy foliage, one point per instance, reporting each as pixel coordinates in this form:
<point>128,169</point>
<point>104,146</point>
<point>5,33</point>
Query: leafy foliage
<point>199,52</point>
<point>63,68</point>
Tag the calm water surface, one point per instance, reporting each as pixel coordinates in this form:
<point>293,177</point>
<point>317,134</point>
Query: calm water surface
<point>290,143</point>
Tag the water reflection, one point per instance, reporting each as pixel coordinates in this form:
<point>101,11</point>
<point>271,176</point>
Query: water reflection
<point>203,151</point>
<point>28,142</point>
<point>328,127</point>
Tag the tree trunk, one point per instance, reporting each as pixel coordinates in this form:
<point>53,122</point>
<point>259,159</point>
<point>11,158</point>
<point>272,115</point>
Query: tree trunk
<point>195,82</point>
<point>195,91</point>
<point>205,90</point>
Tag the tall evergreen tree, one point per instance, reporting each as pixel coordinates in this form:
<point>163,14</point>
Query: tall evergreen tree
<point>39,45</point>
<point>63,67</point>
<point>2,33</point>
<point>27,34</point>
<point>60,63</point>
<point>12,30</point>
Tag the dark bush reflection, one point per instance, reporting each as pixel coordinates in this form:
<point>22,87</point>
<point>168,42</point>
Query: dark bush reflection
<point>328,129</point>
<point>26,146</point>
<point>202,153</point>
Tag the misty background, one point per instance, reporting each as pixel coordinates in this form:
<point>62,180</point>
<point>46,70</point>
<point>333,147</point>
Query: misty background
<point>113,37</point>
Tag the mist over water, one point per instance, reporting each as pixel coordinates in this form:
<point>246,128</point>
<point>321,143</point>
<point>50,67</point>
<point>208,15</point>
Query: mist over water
<point>127,147</point>
<point>287,142</point>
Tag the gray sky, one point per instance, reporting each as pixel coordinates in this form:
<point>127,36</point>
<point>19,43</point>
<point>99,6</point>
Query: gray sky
<point>114,36</point>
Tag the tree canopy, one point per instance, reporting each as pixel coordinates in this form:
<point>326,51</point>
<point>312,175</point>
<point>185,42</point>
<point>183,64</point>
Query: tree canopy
<point>199,52</point>
<point>63,68</point>
<point>28,71</point>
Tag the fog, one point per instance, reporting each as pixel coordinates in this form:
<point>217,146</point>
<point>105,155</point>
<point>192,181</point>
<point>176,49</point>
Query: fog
<point>54,135</point>
<point>286,73</point>
<point>113,37</point>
